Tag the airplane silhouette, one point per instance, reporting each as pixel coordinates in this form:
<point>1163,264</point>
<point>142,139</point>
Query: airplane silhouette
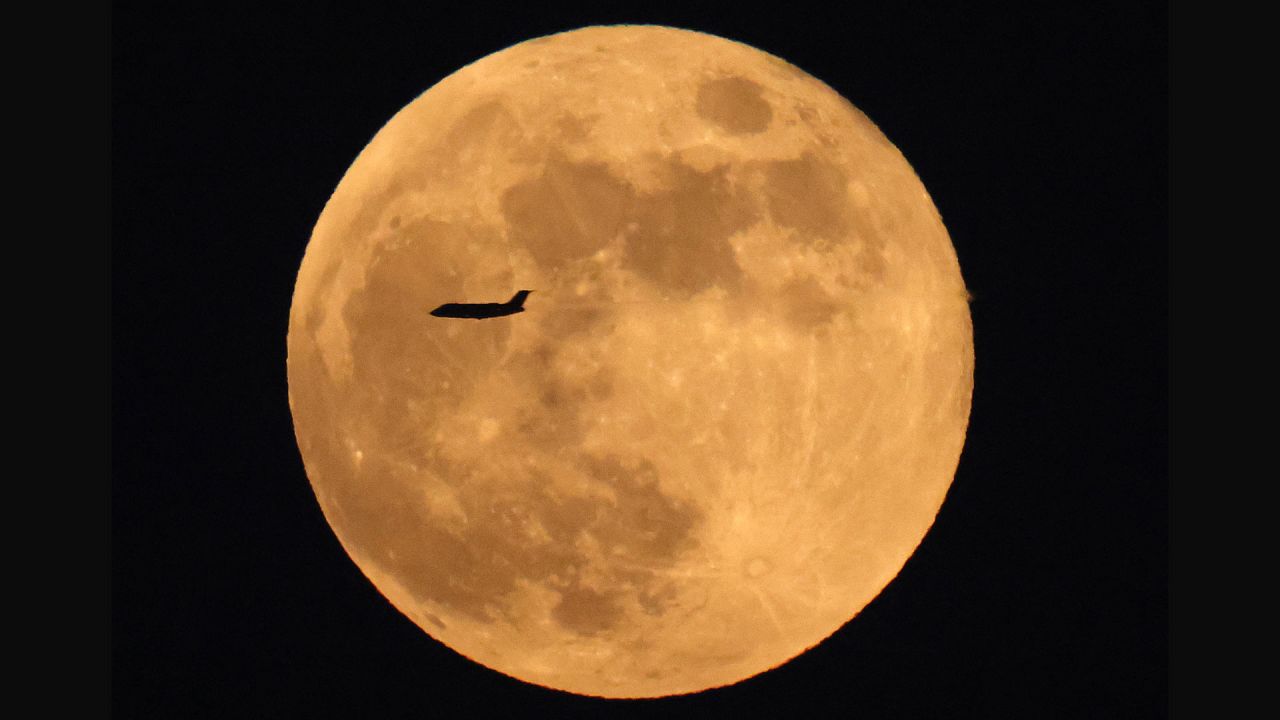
<point>480,311</point>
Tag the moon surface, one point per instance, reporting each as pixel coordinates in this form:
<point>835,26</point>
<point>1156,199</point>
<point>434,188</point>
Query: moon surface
<point>733,405</point>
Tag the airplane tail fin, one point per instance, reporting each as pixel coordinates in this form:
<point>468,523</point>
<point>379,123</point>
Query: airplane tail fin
<point>518,299</point>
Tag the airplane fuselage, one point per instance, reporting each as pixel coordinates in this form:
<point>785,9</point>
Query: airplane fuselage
<point>481,311</point>
<point>476,311</point>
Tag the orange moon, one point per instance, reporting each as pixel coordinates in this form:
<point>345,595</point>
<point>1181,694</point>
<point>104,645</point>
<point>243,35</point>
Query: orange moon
<point>730,412</point>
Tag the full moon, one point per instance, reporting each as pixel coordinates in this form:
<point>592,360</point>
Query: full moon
<point>730,411</point>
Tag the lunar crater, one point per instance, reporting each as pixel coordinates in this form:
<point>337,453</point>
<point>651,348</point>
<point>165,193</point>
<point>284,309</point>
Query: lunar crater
<point>735,104</point>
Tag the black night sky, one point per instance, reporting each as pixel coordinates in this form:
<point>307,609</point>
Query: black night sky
<point>1041,132</point>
